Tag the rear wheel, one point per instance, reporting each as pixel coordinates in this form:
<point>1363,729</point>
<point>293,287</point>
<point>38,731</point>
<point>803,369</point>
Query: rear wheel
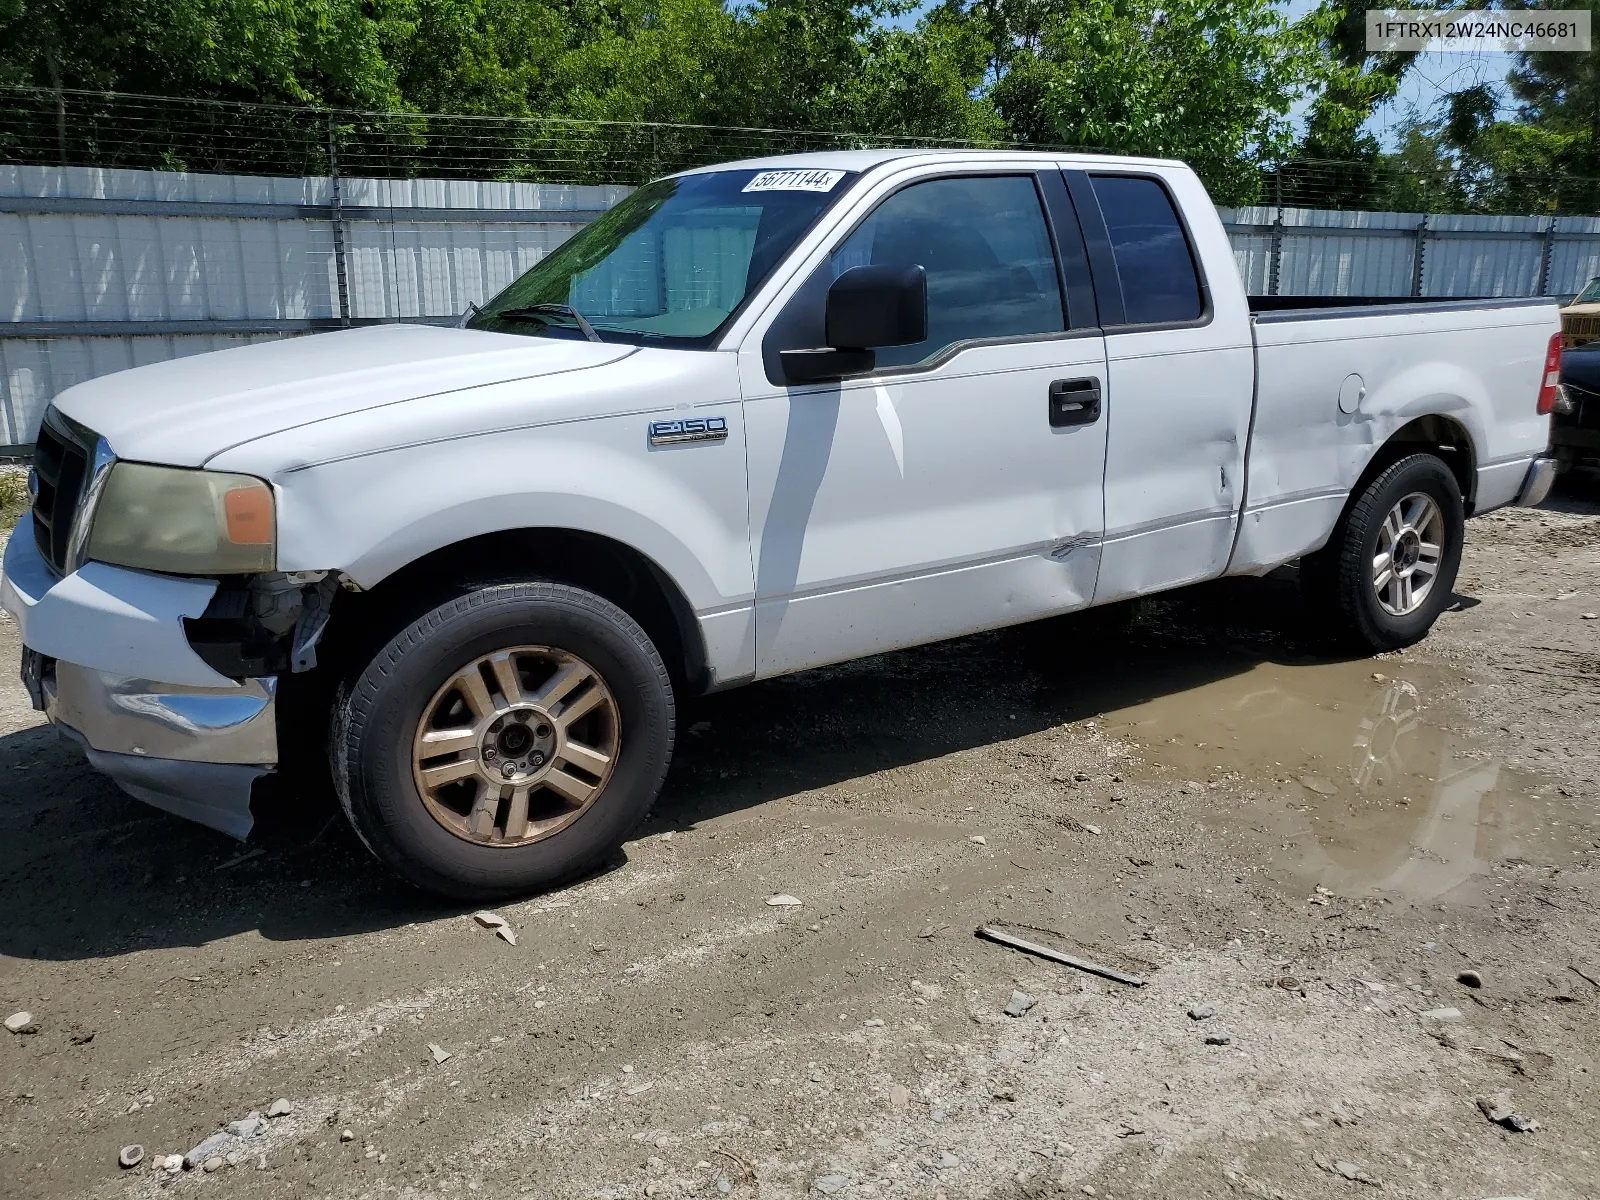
<point>1388,570</point>
<point>507,741</point>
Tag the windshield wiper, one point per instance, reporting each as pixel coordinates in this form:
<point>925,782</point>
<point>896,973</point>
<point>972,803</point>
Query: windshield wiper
<point>543,312</point>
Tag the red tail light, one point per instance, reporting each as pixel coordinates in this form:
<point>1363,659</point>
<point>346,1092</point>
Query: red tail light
<point>1552,376</point>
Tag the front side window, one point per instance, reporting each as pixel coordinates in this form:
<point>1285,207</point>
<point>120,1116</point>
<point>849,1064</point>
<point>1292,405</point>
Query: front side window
<point>668,265</point>
<point>1159,283</point>
<point>986,249</point>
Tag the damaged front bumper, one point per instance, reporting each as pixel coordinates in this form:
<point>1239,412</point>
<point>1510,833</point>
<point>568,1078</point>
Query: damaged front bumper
<point>106,658</point>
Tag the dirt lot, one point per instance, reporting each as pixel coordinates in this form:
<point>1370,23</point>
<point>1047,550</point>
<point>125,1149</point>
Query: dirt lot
<point>1315,848</point>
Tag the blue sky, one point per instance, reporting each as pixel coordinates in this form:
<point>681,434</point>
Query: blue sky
<point>1430,77</point>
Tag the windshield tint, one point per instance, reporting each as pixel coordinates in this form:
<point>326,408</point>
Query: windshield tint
<point>670,263</point>
<point>1590,293</point>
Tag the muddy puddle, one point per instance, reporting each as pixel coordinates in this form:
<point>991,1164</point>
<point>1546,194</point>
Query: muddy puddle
<point>1367,782</point>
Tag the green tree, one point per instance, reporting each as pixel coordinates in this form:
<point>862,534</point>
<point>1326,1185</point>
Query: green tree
<point>297,51</point>
<point>1209,81</point>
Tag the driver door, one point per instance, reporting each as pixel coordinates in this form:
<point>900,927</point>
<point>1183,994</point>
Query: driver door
<point>934,496</point>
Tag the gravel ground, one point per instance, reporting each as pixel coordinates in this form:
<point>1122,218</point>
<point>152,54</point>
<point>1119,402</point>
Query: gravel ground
<point>1313,849</point>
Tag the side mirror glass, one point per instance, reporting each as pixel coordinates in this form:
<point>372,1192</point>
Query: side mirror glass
<point>866,307</point>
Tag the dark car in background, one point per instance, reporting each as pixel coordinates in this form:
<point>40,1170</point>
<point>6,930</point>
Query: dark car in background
<point>1575,427</point>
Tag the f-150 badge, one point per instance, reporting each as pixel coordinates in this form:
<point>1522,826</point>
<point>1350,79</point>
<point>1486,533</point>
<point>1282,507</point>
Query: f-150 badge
<point>691,429</point>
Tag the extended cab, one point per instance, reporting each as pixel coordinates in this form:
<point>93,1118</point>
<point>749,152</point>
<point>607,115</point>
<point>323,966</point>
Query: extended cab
<point>754,419</point>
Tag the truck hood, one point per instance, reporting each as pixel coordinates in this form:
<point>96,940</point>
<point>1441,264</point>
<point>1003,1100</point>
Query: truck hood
<point>186,411</point>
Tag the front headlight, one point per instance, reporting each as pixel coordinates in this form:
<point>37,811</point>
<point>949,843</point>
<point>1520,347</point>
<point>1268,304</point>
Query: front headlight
<point>184,522</point>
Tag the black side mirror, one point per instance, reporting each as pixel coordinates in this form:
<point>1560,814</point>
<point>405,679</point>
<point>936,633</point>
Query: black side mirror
<point>866,307</point>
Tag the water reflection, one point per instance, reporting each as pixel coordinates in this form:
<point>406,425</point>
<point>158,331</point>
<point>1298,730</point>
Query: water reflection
<point>1367,784</point>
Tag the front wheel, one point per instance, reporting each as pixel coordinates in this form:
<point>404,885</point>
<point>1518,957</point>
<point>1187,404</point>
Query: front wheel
<point>1388,570</point>
<point>507,741</point>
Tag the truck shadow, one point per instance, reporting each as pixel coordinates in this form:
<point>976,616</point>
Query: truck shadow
<point>87,873</point>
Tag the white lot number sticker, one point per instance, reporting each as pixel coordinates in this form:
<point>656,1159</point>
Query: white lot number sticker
<point>794,181</point>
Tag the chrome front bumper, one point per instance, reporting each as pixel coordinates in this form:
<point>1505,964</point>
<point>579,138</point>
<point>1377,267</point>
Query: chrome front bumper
<point>194,752</point>
<point>1540,479</point>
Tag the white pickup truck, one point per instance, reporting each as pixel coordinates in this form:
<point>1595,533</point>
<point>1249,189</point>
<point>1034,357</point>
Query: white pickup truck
<point>756,418</point>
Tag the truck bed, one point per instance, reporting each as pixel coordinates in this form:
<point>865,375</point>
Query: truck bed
<point>1290,308</point>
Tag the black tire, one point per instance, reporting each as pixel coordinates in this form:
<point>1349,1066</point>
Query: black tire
<point>1337,581</point>
<point>377,712</point>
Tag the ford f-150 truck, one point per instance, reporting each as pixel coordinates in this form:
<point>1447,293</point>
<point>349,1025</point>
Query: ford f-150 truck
<point>754,419</point>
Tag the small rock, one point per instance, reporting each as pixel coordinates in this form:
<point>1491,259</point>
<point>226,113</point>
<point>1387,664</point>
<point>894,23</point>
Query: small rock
<point>1202,1012</point>
<point>1019,1004</point>
<point>1319,785</point>
<point>215,1163</point>
<point>1372,985</point>
<point>172,1163</point>
<point>723,1185</point>
<point>1497,1108</point>
<point>22,1022</point>
<point>131,1156</point>
<point>494,921</point>
<point>979,838</point>
<point>346,1135</point>
<point>947,1161</point>
<point>1443,1014</point>
<point>279,1108</point>
<point>1094,829</point>
<point>212,1147</point>
<point>1470,979</point>
<point>440,1054</point>
<point>1289,983</point>
<point>1220,1038</point>
<point>830,1185</point>
<point>873,1023</point>
<point>783,901</point>
<point>252,1126</point>
<point>899,1095</point>
<point>1379,676</point>
<point>1353,1172</point>
<point>1591,616</point>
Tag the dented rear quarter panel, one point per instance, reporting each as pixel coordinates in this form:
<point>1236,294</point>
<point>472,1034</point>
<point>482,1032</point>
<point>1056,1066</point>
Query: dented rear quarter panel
<point>1476,364</point>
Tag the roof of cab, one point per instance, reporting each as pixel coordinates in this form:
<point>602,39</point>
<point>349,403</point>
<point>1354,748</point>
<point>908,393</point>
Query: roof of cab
<point>862,160</point>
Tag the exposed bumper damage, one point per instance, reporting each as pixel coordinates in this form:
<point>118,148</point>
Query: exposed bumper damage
<point>108,660</point>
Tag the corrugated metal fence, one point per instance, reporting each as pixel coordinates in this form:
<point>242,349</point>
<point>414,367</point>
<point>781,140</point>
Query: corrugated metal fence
<point>105,269</point>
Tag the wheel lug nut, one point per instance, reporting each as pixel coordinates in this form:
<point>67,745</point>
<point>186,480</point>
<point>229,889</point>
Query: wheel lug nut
<point>508,769</point>
<point>537,759</point>
<point>488,753</point>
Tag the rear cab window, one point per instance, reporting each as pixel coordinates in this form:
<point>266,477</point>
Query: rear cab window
<point>1155,263</point>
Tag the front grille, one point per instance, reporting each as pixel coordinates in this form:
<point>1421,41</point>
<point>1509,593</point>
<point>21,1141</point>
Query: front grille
<point>61,460</point>
<point>1579,328</point>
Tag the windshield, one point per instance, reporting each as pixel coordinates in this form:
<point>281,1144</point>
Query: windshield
<point>1590,293</point>
<point>669,264</point>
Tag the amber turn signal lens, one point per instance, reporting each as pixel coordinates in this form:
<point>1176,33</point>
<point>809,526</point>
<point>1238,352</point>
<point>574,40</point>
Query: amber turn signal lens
<point>248,511</point>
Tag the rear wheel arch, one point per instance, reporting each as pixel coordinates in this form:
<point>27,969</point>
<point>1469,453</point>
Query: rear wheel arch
<point>1442,436</point>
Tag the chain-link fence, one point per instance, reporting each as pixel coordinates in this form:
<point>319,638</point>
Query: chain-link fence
<point>134,230</point>
<point>79,128</point>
